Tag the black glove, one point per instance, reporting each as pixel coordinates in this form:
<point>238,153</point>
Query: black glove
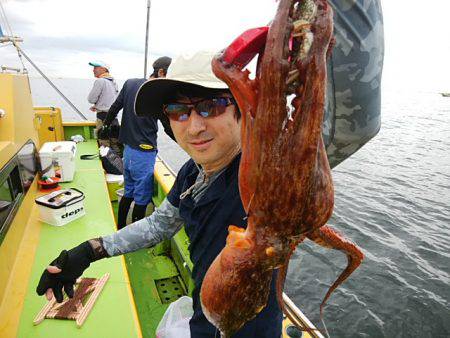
<point>114,130</point>
<point>72,263</point>
<point>104,132</point>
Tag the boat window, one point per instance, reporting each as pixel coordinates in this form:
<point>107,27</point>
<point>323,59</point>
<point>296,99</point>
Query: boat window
<point>28,164</point>
<point>5,199</point>
<point>11,194</point>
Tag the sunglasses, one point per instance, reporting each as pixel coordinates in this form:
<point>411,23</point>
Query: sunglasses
<point>205,108</point>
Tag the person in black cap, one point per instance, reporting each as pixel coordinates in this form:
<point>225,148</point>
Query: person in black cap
<point>138,135</point>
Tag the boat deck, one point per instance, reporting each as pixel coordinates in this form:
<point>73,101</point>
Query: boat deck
<point>155,276</point>
<point>113,314</point>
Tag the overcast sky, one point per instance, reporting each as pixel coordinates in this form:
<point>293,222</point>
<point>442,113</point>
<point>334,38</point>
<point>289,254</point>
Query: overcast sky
<point>62,36</point>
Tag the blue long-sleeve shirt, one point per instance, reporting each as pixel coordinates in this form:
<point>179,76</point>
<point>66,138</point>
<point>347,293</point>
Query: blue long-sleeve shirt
<point>135,131</point>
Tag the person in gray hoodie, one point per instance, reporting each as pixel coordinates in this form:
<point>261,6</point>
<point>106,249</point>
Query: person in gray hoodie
<point>102,96</point>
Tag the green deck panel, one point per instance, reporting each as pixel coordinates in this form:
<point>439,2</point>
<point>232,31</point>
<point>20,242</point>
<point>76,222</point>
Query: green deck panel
<point>180,255</point>
<point>144,268</point>
<point>140,267</point>
<point>162,267</point>
<point>112,314</point>
<point>86,131</point>
<point>84,148</point>
<point>149,307</point>
<point>170,289</point>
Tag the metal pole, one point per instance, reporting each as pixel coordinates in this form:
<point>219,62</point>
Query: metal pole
<point>146,38</point>
<point>51,84</point>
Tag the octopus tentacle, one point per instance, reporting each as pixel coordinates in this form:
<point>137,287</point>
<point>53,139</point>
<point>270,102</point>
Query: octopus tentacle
<point>244,91</point>
<point>329,238</point>
<point>282,272</point>
<point>321,194</point>
<point>281,277</point>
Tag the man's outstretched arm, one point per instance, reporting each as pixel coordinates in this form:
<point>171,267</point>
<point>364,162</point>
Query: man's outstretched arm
<point>162,224</point>
<point>69,265</point>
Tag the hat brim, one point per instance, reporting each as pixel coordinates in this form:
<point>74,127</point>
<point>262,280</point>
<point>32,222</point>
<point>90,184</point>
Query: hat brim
<point>95,64</point>
<point>153,94</point>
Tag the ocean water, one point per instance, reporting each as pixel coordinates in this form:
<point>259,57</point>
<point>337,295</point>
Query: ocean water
<point>392,198</point>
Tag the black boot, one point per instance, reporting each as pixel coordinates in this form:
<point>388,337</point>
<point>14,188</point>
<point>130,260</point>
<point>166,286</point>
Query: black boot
<point>124,207</point>
<point>138,212</point>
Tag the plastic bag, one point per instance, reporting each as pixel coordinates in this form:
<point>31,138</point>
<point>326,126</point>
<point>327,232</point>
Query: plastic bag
<point>111,162</point>
<point>175,322</point>
<point>77,138</point>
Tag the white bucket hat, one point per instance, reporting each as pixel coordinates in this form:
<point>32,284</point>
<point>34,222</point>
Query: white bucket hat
<point>187,73</point>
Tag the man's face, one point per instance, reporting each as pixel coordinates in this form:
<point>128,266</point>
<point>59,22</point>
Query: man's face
<point>209,141</point>
<point>99,71</point>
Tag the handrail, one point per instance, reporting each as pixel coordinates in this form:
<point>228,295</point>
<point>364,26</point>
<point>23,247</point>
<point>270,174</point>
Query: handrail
<point>6,68</point>
<point>79,124</point>
<point>167,166</point>
<point>5,39</point>
<point>76,110</point>
<point>299,319</point>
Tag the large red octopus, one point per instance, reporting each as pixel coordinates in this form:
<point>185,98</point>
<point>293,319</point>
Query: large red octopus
<point>284,177</point>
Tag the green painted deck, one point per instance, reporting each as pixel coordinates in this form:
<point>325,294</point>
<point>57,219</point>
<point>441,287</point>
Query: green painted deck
<point>155,280</point>
<point>143,268</point>
<point>113,315</point>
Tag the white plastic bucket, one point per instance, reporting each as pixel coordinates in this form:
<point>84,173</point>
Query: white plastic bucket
<point>61,207</point>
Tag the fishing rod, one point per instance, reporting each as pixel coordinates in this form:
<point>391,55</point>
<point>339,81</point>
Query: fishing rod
<point>14,40</point>
<point>146,38</point>
<point>20,50</point>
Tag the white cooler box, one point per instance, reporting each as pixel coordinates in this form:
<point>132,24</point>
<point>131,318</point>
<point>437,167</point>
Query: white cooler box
<point>58,159</point>
<point>61,207</point>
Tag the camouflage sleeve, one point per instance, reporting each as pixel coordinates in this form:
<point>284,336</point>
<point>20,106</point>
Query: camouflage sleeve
<point>353,111</point>
<point>162,224</point>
